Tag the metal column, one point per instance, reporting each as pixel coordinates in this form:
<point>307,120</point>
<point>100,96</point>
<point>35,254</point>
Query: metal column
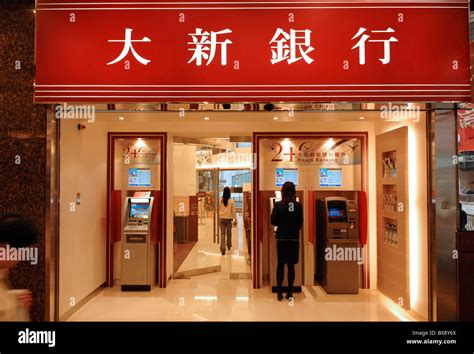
<point>444,226</point>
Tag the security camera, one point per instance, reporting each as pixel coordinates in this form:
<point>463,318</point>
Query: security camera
<point>269,107</point>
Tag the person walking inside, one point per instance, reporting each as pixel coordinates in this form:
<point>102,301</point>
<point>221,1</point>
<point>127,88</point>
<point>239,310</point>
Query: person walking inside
<point>227,218</point>
<point>287,216</point>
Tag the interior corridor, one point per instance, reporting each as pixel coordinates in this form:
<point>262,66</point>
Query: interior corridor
<point>206,257</point>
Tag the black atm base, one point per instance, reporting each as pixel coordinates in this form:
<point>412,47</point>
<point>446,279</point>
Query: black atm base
<point>136,287</point>
<point>296,289</point>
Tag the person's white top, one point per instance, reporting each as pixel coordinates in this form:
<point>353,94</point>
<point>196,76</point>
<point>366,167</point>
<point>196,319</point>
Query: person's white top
<point>9,307</point>
<point>227,212</point>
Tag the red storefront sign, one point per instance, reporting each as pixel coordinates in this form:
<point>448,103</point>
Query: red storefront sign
<point>251,51</point>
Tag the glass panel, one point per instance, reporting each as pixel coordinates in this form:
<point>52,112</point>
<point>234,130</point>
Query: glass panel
<point>466,166</point>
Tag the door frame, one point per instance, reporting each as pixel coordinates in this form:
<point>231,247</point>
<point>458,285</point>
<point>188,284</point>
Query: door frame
<point>162,239</point>
<point>216,218</point>
<point>257,228</point>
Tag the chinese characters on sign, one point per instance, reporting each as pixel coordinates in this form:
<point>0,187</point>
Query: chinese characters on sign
<point>363,39</point>
<point>206,45</point>
<point>284,51</point>
<point>129,47</point>
<point>290,47</point>
<point>318,151</point>
<point>249,52</point>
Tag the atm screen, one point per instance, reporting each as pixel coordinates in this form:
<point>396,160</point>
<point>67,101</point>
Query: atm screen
<point>283,175</point>
<point>139,177</point>
<point>337,211</point>
<point>139,211</point>
<point>337,215</point>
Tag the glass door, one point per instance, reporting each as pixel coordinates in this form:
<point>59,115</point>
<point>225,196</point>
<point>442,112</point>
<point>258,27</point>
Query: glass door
<point>216,190</point>
<point>240,183</point>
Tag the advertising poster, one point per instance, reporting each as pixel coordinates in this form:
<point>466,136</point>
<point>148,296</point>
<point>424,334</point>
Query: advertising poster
<point>330,177</point>
<point>139,177</point>
<point>283,175</point>
<point>466,130</point>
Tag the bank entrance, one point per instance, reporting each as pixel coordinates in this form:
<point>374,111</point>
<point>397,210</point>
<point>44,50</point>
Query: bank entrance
<point>360,175</point>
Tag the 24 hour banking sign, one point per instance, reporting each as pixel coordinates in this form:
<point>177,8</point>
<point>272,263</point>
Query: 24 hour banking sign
<point>221,51</point>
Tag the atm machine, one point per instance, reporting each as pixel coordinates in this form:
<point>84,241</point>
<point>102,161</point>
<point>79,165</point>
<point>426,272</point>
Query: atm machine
<point>337,235</point>
<point>274,257</point>
<point>138,249</point>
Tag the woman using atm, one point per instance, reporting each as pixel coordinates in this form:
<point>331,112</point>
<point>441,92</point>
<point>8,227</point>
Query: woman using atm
<point>287,216</point>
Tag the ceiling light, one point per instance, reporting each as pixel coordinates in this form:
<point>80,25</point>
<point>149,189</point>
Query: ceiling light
<point>329,143</point>
<point>206,118</point>
<point>275,118</point>
<point>140,143</point>
<point>121,118</point>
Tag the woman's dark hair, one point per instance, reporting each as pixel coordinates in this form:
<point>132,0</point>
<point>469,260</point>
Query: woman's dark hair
<point>288,192</point>
<point>226,195</point>
<point>17,231</point>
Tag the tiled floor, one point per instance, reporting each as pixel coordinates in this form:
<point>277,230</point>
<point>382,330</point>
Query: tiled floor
<point>207,254</point>
<point>215,297</point>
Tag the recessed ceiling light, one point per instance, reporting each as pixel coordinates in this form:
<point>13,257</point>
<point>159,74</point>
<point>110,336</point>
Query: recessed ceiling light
<point>121,118</point>
<point>361,118</point>
<point>206,118</point>
<point>275,118</point>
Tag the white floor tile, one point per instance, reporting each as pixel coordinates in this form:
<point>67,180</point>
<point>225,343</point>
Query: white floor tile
<point>215,297</point>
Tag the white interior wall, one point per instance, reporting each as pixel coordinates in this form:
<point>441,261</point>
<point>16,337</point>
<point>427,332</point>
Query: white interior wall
<point>184,161</point>
<point>82,244</point>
